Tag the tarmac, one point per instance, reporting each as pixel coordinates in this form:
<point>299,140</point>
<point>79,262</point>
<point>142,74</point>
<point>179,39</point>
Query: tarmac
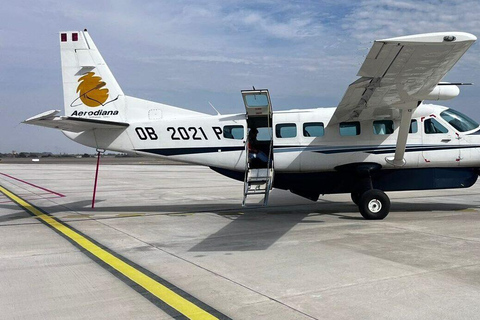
<point>173,241</point>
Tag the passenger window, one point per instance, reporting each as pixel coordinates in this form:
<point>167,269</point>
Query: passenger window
<point>313,129</point>
<point>383,127</point>
<point>286,130</point>
<point>350,128</point>
<point>233,132</point>
<point>433,126</point>
<point>413,126</point>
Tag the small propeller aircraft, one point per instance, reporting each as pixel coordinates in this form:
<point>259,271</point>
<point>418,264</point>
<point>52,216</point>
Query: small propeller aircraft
<point>380,137</point>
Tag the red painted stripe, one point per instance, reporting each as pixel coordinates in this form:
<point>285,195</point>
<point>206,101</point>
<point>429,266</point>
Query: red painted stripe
<point>33,185</point>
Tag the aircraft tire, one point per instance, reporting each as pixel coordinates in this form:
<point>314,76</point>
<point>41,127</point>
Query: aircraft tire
<point>374,204</point>
<point>355,197</point>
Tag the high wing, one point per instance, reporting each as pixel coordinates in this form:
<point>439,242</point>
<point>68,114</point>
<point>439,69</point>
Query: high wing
<point>398,71</point>
<point>51,120</point>
<point>398,74</point>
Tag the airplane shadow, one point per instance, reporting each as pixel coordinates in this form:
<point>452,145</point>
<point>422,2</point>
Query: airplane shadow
<point>426,207</point>
<point>14,216</point>
<point>250,228</point>
<point>259,229</point>
<point>22,214</point>
<point>251,231</point>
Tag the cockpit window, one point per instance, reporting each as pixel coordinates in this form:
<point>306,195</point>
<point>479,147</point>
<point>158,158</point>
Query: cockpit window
<point>458,120</point>
<point>432,126</point>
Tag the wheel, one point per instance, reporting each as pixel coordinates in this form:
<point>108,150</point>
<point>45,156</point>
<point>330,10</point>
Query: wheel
<point>374,204</point>
<point>355,197</point>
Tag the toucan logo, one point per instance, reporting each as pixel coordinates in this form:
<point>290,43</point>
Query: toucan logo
<point>91,91</point>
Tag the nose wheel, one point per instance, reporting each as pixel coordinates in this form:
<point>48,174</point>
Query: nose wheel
<point>374,204</point>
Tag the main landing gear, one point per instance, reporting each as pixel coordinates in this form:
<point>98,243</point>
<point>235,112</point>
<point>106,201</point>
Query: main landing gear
<point>373,204</point>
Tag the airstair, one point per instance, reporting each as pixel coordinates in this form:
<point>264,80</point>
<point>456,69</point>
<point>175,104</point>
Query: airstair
<point>258,182</point>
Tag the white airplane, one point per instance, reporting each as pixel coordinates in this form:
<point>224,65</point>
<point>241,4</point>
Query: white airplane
<point>380,137</point>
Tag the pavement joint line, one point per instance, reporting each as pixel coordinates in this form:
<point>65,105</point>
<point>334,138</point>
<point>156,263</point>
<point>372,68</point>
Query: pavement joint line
<point>28,199</point>
<point>22,186</point>
<point>100,220</point>
<point>431,233</point>
<point>213,272</point>
<point>169,298</point>
<point>237,283</point>
<point>40,255</point>
<point>413,274</point>
<point>33,185</point>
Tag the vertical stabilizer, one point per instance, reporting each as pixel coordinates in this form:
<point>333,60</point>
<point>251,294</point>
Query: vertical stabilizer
<point>89,87</point>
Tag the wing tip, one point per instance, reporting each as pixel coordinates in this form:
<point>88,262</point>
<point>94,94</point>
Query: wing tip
<point>44,115</point>
<point>434,37</point>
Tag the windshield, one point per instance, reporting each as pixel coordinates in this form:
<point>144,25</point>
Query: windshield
<point>458,120</point>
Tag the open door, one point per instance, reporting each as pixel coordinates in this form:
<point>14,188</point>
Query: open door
<point>259,144</point>
<point>259,127</point>
<point>257,103</point>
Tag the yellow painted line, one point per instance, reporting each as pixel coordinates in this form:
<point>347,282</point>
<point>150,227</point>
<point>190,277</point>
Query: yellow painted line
<point>229,213</point>
<point>129,215</point>
<point>78,216</point>
<point>171,298</point>
<point>180,214</point>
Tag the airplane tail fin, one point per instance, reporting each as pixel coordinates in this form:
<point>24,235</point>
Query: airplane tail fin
<point>91,92</point>
<point>89,87</point>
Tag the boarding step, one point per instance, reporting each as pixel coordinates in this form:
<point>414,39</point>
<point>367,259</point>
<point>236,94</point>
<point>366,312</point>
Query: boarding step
<point>259,174</point>
<point>258,182</point>
<point>257,187</point>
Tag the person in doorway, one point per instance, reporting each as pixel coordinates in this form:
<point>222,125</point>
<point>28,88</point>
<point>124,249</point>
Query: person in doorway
<point>254,151</point>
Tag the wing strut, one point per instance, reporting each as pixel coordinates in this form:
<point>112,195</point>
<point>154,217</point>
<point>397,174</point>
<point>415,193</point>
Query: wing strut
<point>399,160</point>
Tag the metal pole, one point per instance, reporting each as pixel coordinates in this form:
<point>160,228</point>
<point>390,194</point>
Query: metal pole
<point>96,178</point>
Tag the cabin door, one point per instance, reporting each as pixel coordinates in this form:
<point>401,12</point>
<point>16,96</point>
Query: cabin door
<point>440,145</point>
<point>259,144</point>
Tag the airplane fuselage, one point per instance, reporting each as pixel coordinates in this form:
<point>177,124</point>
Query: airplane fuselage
<point>306,162</point>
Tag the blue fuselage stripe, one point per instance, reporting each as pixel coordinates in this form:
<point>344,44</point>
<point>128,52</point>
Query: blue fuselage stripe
<point>316,149</point>
<point>370,149</point>
<point>184,151</point>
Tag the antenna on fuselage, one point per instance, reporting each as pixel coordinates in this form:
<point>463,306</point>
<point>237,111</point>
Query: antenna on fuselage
<point>211,105</point>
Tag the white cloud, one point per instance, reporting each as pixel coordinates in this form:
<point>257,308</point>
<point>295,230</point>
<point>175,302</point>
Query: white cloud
<point>377,19</point>
<point>199,58</point>
<point>307,52</point>
<point>293,28</point>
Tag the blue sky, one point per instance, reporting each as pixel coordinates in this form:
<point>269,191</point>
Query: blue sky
<point>187,53</point>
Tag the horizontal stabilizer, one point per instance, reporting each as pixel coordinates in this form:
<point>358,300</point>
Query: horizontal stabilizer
<point>73,124</point>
